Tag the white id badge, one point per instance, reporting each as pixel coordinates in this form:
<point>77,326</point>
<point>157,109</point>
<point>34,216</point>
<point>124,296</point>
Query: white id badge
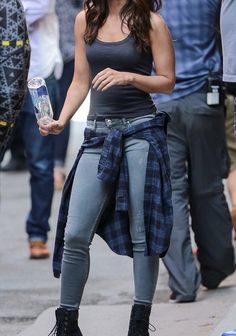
<point>213,95</point>
<point>213,98</point>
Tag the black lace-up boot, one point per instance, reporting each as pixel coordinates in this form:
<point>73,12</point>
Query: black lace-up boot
<point>66,323</point>
<point>139,321</point>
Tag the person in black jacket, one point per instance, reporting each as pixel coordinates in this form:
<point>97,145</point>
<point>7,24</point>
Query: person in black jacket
<point>14,65</point>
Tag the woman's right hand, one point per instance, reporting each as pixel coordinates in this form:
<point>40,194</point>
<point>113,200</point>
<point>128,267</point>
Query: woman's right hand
<point>54,127</point>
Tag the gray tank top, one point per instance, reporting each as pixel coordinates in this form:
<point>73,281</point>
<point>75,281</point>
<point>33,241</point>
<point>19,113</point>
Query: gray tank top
<point>123,101</point>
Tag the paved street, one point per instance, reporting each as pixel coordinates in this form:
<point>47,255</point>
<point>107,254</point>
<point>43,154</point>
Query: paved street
<point>28,289</point>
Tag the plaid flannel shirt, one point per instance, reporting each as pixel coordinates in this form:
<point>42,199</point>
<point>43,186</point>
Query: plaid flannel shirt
<point>113,169</point>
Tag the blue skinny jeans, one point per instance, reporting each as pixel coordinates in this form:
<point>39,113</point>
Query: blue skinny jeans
<point>88,198</point>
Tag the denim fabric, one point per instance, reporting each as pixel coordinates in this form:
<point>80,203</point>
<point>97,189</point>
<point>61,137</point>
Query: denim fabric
<point>89,197</point>
<point>157,195</point>
<point>40,158</point>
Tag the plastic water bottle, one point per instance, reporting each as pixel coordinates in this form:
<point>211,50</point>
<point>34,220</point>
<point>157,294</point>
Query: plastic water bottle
<point>41,101</point>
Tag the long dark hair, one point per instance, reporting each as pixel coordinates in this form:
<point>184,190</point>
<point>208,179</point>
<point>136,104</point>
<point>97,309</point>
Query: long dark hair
<point>135,14</point>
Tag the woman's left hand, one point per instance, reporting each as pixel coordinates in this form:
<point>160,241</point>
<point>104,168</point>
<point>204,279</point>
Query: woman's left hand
<point>109,77</point>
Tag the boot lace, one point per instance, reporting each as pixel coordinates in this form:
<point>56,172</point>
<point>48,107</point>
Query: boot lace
<point>136,329</point>
<point>58,326</point>
<point>152,328</point>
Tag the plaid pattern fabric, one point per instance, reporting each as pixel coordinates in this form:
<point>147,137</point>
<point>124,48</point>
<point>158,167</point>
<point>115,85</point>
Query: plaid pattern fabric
<point>113,168</point>
<point>193,25</point>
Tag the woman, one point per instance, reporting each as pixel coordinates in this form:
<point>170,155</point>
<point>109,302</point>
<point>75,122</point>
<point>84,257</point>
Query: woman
<point>119,185</point>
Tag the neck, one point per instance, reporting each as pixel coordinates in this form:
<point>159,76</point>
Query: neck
<point>115,6</point>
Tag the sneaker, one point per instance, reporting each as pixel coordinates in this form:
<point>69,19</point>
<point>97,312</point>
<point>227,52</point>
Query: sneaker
<point>229,333</point>
<point>174,299</point>
<point>38,250</point>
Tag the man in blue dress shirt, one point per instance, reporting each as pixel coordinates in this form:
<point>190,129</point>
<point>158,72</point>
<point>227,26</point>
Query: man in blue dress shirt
<point>196,141</point>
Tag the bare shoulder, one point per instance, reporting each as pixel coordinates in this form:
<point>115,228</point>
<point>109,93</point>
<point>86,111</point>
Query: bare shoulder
<point>80,22</point>
<point>159,29</point>
<point>158,23</point>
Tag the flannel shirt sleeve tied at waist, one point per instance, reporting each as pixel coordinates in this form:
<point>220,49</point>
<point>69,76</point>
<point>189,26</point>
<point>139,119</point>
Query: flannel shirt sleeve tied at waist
<point>113,169</point>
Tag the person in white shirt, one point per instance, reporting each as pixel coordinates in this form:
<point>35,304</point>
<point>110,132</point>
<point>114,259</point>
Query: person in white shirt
<point>45,62</point>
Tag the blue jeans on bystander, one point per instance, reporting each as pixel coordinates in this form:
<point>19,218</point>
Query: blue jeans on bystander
<point>40,157</point>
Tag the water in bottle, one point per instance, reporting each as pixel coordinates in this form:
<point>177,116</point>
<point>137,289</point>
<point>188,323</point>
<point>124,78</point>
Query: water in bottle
<point>41,101</point>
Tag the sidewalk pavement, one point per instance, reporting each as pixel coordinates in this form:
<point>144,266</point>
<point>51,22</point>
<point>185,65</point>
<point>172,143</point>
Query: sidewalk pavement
<point>169,320</point>
<point>207,317</point>
<point>28,290</point>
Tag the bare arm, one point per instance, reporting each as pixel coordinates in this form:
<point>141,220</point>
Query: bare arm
<point>164,61</point>
<point>80,84</point>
